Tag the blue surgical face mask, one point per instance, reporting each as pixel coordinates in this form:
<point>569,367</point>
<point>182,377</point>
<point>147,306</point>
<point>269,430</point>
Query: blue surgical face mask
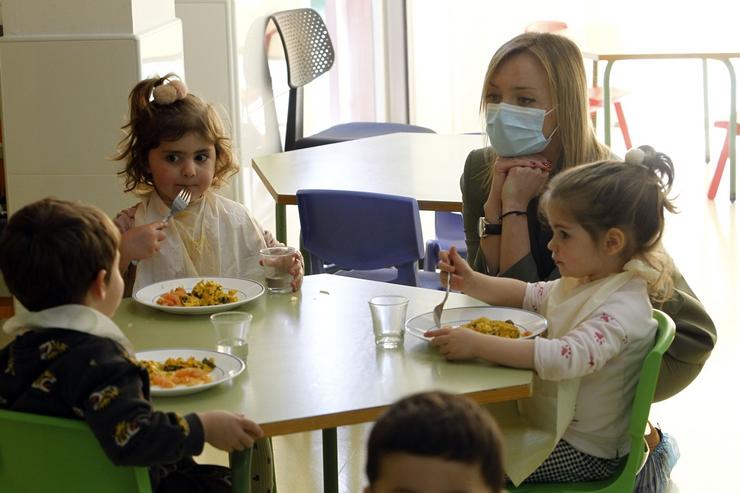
<point>515,130</point>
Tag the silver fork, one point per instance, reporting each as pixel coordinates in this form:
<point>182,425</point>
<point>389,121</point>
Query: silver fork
<point>437,314</point>
<point>179,204</point>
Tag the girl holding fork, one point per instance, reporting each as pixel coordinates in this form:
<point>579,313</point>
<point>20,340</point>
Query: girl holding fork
<point>175,141</point>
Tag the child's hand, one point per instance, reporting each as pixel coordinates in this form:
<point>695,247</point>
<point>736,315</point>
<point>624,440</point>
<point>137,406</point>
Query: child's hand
<point>455,343</point>
<point>142,241</point>
<point>229,431</point>
<point>293,265</point>
<point>125,219</point>
<point>452,262</point>
<point>296,270</point>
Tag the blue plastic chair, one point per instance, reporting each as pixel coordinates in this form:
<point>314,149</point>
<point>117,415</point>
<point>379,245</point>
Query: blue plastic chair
<point>448,229</point>
<point>360,234</point>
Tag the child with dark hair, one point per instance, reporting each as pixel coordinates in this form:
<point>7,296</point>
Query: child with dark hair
<point>433,442</point>
<point>175,141</point>
<point>69,359</point>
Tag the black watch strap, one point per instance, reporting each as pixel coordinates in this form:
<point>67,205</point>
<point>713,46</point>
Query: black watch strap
<point>485,228</point>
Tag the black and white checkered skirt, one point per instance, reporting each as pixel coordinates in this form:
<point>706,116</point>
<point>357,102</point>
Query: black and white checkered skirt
<point>568,465</point>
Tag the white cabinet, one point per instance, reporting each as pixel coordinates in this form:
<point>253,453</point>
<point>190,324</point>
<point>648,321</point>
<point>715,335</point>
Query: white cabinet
<point>65,86</point>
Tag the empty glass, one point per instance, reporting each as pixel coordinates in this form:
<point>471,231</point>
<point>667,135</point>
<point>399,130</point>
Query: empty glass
<point>389,317</point>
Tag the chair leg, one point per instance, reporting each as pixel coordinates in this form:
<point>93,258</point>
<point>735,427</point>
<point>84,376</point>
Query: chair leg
<point>720,168</point>
<point>431,256</point>
<point>622,124</point>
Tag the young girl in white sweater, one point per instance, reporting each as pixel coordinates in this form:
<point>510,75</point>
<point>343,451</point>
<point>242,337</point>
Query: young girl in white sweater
<point>607,222</point>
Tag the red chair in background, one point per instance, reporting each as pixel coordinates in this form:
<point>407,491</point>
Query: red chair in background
<point>722,158</point>
<point>595,94</point>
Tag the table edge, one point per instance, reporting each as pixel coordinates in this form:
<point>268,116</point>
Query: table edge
<point>370,414</point>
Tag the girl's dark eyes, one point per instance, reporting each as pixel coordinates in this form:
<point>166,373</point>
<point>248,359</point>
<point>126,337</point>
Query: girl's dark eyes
<point>171,158</point>
<point>201,158</point>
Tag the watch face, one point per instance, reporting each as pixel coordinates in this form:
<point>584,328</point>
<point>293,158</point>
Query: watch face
<point>481,227</point>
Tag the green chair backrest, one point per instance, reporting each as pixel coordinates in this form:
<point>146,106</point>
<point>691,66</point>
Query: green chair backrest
<point>44,453</point>
<point>624,480</point>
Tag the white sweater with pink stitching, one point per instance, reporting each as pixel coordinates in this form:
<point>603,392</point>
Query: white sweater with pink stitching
<point>606,351</point>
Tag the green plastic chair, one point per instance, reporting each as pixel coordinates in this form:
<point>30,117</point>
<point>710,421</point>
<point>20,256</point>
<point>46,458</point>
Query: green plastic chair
<point>624,479</point>
<point>44,453</point>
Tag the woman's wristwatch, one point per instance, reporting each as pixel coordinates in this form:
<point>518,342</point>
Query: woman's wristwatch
<point>485,228</point>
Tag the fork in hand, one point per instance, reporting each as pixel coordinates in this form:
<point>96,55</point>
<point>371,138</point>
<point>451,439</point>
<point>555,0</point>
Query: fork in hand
<point>179,204</point>
<point>437,314</point>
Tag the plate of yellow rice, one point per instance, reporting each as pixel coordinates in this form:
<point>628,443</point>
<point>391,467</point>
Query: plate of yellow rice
<point>199,295</point>
<point>514,323</point>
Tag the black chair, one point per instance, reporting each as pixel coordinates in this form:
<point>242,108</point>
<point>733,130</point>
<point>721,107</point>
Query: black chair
<point>308,54</point>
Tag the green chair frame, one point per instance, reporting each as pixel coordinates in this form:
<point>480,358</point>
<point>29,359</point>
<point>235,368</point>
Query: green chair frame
<point>44,453</point>
<point>624,479</point>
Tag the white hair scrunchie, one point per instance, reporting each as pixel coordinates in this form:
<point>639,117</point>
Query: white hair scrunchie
<point>634,156</point>
<point>170,92</point>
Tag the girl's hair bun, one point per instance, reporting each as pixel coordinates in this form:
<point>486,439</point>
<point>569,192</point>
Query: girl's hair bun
<point>635,156</point>
<point>170,92</point>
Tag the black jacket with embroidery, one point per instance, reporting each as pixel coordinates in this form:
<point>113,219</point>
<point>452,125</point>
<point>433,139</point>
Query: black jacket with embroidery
<point>70,374</point>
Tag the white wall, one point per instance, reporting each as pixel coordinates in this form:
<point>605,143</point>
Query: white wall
<point>64,92</point>
<point>452,42</point>
<point>256,103</point>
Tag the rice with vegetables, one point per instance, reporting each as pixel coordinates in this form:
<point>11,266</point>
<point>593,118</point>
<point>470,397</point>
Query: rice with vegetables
<point>501,328</point>
<point>204,293</point>
<point>179,371</point>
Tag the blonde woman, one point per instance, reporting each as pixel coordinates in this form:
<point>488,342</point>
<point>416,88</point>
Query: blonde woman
<point>535,103</point>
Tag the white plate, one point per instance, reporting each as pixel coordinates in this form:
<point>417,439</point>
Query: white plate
<point>529,323</point>
<point>246,290</point>
<point>227,367</point>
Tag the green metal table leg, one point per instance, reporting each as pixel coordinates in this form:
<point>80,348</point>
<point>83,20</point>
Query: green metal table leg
<point>331,467</point>
<point>607,104</point>
<point>281,227</point>
<point>241,464</point>
<point>733,126</point>
<point>706,108</point>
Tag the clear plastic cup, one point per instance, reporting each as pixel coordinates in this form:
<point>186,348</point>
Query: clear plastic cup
<point>389,316</point>
<point>277,262</point>
<point>232,332</point>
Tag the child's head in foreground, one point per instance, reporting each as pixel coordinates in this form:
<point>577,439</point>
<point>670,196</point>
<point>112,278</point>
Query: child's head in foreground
<point>56,252</point>
<point>163,112</point>
<point>435,442</point>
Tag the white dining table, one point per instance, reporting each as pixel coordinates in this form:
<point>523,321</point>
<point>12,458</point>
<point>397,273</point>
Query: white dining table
<point>611,44</point>
<point>313,364</point>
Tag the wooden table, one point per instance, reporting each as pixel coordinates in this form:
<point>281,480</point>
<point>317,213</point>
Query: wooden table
<point>610,56</point>
<point>426,167</point>
<point>313,363</point>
